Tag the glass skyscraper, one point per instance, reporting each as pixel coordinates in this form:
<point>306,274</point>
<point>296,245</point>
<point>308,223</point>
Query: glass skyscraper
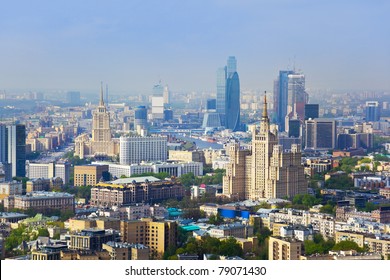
<point>228,95</point>
<point>16,149</point>
<point>281,98</point>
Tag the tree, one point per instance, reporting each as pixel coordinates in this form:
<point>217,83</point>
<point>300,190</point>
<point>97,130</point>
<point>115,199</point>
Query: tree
<point>215,219</point>
<point>328,209</point>
<point>43,232</point>
<point>188,179</point>
<point>347,245</point>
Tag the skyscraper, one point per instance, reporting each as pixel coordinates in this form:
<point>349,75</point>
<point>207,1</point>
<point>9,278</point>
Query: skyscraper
<point>265,171</point>
<point>16,149</point>
<point>233,102</point>
<point>372,111</point>
<point>290,97</point>
<point>228,95</point>
<point>281,98</point>
<point>3,143</point>
<point>101,143</point>
<point>221,93</point>
<point>140,117</point>
<point>311,111</point>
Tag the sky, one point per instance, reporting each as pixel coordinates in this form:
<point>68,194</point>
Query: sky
<point>131,45</point>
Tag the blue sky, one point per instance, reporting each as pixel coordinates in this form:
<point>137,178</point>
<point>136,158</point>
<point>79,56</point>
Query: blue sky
<point>132,44</point>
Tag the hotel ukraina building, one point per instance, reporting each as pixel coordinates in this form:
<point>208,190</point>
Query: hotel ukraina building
<point>265,170</point>
<point>101,142</point>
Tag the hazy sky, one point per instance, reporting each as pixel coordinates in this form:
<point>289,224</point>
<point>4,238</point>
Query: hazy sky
<point>132,44</point>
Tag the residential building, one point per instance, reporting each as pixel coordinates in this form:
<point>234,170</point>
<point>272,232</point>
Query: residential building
<point>134,190</point>
<point>281,248</point>
<point>126,251</point>
<point>158,236</point>
<point>267,171</point>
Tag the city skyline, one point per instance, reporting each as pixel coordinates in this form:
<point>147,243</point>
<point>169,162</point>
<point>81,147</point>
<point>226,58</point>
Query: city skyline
<point>131,45</point>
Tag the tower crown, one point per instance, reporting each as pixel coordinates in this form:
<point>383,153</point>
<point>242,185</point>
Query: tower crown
<point>265,112</point>
<point>101,102</point>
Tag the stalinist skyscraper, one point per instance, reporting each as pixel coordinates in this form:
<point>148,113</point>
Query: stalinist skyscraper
<point>101,143</point>
<point>265,171</point>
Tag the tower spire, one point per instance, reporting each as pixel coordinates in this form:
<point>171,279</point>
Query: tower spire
<point>265,112</point>
<point>101,103</point>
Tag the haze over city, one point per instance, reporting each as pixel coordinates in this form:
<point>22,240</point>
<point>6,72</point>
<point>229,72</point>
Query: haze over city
<point>131,45</point>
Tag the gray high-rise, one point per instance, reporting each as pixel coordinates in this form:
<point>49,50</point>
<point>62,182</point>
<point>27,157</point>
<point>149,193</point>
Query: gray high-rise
<point>13,148</point>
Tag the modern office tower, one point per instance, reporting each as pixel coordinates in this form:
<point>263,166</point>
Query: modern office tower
<point>372,111</point>
<point>320,134</point>
<point>221,93</point>
<point>211,120</point>
<point>140,117</point>
<point>297,96</point>
<point>211,104</point>
<point>294,128</point>
<point>3,144</point>
<point>158,102</point>
<point>311,111</point>
<point>347,141</point>
<point>157,107</point>
<point>138,149</point>
<point>269,171</point>
<point>167,95</point>
<point>228,95</point>
<point>290,97</point>
<point>233,102</point>
<point>73,97</point>
<point>168,115</point>
<point>16,149</point>
<point>101,143</point>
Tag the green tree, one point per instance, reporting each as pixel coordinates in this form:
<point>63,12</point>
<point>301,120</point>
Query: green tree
<point>188,179</point>
<point>215,219</point>
<point>347,245</point>
<point>43,232</point>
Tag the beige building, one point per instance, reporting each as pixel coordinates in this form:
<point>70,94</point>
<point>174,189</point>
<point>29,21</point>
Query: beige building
<point>10,188</point>
<point>375,244</point>
<point>156,235</point>
<point>101,142</point>
<point>186,156</point>
<point>126,251</point>
<point>40,201</point>
<point>267,171</point>
<point>110,194</point>
<point>284,248</point>
<point>101,223</point>
<point>89,175</point>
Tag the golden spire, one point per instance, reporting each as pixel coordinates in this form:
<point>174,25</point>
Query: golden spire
<point>101,103</point>
<point>265,112</point>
